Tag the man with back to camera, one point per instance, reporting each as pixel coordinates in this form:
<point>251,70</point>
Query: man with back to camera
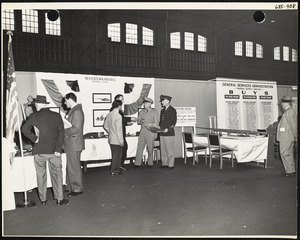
<point>168,119</point>
<point>126,121</point>
<point>287,135</point>
<point>48,140</point>
<point>73,145</point>
<point>147,116</point>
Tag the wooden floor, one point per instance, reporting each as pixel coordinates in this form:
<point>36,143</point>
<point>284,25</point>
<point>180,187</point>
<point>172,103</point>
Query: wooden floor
<point>187,201</point>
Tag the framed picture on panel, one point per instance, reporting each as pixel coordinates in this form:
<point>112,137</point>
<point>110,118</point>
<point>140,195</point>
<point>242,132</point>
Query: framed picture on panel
<point>101,97</point>
<point>54,109</point>
<point>99,117</point>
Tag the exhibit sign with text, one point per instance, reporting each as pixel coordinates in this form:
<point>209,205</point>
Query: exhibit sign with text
<point>246,104</point>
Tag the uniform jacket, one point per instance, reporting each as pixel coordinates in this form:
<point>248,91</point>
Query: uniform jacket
<point>287,127</point>
<point>148,117</point>
<point>168,119</point>
<point>50,131</point>
<point>74,140</point>
<point>113,125</point>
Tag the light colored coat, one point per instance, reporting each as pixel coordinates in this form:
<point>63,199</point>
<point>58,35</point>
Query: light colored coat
<point>287,127</point>
<point>114,128</point>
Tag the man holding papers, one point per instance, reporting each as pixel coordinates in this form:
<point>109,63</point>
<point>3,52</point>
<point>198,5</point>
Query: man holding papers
<point>48,140</point>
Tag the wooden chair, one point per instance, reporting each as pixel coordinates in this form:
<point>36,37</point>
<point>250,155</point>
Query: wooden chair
<point>215,148</point>
<point>156,148</point>
<point>195,149</point>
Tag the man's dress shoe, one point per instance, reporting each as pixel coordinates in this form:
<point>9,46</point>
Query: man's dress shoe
<point>61,202</point>
<point>74,194</point>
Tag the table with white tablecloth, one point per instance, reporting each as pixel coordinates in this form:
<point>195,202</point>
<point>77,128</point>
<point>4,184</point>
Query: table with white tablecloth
<point>24,174</point>
<point>246,149</point>
<point>98,150</point>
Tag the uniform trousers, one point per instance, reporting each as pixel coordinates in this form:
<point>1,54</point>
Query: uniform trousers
<point>74,172</point>
<point>167,150</point>
<point>287,156</point>
<point>116,157</point>
<point>145,138</point>
<point>55,169</point>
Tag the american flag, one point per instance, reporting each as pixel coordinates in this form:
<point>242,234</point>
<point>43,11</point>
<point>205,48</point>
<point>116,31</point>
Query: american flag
<point>11,96</point>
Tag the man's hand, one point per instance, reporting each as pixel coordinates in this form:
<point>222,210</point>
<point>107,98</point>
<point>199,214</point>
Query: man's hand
<point>166,130</point>
<point>57,154</point>
<point>133,119</point>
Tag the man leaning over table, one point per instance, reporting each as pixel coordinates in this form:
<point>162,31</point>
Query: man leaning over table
<point>48,140</point>
<point>147,116</point>
<point>287,135</point>
<point>74,144</point>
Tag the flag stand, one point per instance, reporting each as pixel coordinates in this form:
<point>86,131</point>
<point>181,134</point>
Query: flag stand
<point>25,203</point>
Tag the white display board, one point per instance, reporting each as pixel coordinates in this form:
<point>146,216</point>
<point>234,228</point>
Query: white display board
<point>246,104</point>
<point>96,94</point>
<point>186,116</point>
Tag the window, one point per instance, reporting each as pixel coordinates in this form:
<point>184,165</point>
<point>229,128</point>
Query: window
<point>189,41</point>
<point>276,53</point>
<point>30,21</point>
<point>286,53</point>
<point>131,33</point>
<point>249,49</point>
<point>175,40</point>
<point>294,55</point>
<point>259,51</point>
<point>114,32</point>
<point>202,44</point>
<point>8,20</point>
<point>147,36</point>
<point>52,27</point>
<point>238,48</point>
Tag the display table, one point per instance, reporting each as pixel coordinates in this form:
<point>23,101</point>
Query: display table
<point>98,150</point>
<point>246,149</point>
<point>27,168</point>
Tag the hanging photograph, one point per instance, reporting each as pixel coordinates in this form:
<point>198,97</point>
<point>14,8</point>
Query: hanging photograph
<point>99,116</point>
<point>101,97</point>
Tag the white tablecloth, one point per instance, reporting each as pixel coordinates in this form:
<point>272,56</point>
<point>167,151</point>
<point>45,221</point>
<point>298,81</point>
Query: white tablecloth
<point>99,149</point>
<point>24,174</point>
<point>246,149</point>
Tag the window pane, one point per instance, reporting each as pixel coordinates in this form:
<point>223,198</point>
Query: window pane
<point>147,36</point>
<point>52,27</point>
<point>131,33</point>
<point>189,41</point>
<point>202,44</point>
<point>114,32</point>
<point>175,40</point>
<point>276,53</point>
<point>259,51</point>
<point>8,20</point>
<point>286,53</point>
<point>238,48</point>
<point>249,49</point>
<point>30,21</point>
<point>294,55</point>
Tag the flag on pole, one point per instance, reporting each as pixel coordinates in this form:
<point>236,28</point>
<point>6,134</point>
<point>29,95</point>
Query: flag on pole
<point>11,96</point>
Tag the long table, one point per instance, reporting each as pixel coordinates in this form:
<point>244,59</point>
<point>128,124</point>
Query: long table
<point>98,150</point>
<point>24,174</point>
<point>246,149</point>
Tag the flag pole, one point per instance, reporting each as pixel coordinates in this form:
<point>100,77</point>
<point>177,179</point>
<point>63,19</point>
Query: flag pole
<point>26,203</point>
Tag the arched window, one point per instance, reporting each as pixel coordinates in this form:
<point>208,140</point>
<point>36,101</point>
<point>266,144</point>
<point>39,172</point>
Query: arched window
<point>286,53</point>
<point>276,53</point>
<point>249,49</point>
<point>114,32</point>
<point>175,40</point>
<point>30,21</point>
<point>8,19</point>
<point>147,36</point>
<point>189,41</point>
<point>259,51</point>
<point>294,55</point>
<point>202,44</point>
<point>131,33</point>
<point>238,48</point>
<point>52,27</point>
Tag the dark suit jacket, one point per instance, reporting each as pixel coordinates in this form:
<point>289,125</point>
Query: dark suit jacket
<point>51,131</point>
<point>287,127</point>
<point>168,119</point>
<point>125,121</point>
<point>74,140</point>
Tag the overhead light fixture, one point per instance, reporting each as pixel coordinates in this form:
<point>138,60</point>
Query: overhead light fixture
<point>272,21</point>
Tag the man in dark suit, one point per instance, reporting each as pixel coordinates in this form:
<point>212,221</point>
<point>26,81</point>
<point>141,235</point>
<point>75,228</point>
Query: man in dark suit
<point>126,121</point>
<point>74,144</point>
<point>48,140</point>
<point>287,135</point>
<point>168,120</point>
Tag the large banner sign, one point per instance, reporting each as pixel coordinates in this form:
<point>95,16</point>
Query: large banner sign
<point>246,104</point>
<point>96,94</point>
